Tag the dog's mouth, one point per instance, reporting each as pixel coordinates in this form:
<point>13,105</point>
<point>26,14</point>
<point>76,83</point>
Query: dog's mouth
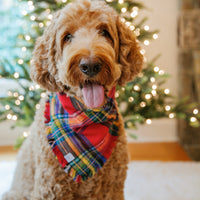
<point>93,94</point>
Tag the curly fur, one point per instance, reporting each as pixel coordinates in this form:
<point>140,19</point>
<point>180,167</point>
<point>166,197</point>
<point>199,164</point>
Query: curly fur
<point>55,67</point>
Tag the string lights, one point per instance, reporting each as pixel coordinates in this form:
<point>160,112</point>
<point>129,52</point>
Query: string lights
<point>16,75</point>
<point>166,91</point>
<point>136,87</point>
<point>195,111</point>
<point>193,119</point>
<point>20,61</point>
<point>171,115</point>
<point>148,121</point>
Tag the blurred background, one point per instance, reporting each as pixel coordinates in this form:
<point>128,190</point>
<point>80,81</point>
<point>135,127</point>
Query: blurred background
<point>160,107</point>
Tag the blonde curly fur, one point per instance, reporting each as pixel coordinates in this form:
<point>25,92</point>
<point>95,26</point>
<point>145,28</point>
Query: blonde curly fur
<point>54,66</point>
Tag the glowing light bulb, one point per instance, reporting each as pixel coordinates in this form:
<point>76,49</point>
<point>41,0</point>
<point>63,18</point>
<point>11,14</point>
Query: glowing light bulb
<point>154,86</point>
<point>15,94</point>
<point>123,89</point>
<point>30,3</point>
<point>41,25</point>
<point>136,87</point>
<point>153,92</point>
<point>24,12</point>
<point>9,116</point>
<point>37,106</point>
<point>31,7</point>
<point>48,23</point>
<point>146,42</point>
<point>148,96</point>
<point>43,94</point>
<point>171,115</point>
<point>166,91</point>
<point>27,37</point>
<point>123,10</point>
<point>32,18</point>
<point>17,102</point>
<point>130,99</point>
<point>142,51</point>
<point>132,27</point>
<point>146,28</point>
<point>24,49</point>
<point>134,12</point>
<point>25,134</point>
<point>155,36</point>
<point>148,121</point>
<point>64,1</point>
<point>128,24</point>
<point>37,86</point>
<point>16,75</point>
<point>137,31</point>
<point>152,79</point>
<point>21,97</point>
<point>122,20</point>
<point>50,16</point>
<point>161,72</point>
<point>14,117</point>
<point>20,61</point>
<point>156,69</point>
<point>7,107</point>
<point>193,119</point>
<point>142,104</point>
<point>121,1</point>
<point>167,108</point>
<point>195,111</point>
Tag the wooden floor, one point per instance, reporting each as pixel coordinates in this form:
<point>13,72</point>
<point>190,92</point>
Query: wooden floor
<point>138,151</point>
<point>170,151</point>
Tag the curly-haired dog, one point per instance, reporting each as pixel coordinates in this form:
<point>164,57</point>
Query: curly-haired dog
<point>85,52</point>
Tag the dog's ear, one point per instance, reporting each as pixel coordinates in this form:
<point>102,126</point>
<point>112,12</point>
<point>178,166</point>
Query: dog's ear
<point>130,58</point>
<point>43,65</point>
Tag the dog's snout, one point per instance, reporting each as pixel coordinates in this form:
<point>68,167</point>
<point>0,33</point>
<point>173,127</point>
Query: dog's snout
<point>90,66</point>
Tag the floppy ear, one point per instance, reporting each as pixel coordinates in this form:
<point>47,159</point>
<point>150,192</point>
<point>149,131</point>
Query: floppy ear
<point>130,58</point>
<point>43,65</point>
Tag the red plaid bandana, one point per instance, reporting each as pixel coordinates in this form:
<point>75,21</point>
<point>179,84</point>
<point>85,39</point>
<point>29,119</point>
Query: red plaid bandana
<point>81,139</point>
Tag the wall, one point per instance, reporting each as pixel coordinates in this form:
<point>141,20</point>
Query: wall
<point>162,15</point>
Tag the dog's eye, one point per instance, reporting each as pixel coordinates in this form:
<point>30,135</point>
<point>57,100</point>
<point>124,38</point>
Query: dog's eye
<point>105,33</point>
<point>68,37</point>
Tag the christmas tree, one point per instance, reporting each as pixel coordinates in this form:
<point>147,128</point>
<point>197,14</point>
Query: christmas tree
<point>140,101</point>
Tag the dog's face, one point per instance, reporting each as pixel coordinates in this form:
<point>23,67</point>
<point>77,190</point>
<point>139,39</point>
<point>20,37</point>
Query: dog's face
<point>85,52</point>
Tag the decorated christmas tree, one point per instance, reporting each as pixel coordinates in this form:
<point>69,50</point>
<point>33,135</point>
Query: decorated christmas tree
<point>139,101</point>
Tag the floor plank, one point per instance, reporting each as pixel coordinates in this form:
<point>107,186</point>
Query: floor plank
<point>165,151</point>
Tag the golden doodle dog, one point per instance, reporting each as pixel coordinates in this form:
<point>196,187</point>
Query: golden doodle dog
<point>77,148</point>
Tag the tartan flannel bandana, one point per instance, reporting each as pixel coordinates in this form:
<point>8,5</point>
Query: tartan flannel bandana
<point>82,139</point>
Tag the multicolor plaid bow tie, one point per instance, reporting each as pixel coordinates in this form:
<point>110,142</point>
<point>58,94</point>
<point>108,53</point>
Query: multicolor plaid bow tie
<point>81,139</point>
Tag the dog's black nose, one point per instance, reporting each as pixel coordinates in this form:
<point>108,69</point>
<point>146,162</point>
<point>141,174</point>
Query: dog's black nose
<point>90,66</point>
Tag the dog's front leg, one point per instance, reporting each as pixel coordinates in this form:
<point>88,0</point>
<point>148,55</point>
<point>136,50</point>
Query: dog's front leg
<point>23,180</point>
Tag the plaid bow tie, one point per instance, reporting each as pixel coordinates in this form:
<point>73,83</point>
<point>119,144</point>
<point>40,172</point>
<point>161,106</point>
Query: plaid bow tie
<point>81,139</point>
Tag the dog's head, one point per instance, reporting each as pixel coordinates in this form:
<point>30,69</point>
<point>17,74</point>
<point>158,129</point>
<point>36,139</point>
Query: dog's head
<point>85,51</point>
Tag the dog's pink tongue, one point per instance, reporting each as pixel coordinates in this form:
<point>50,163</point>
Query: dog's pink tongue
<point>93,95</point>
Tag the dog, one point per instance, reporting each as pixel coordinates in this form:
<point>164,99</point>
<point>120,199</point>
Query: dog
<point>82,55</point>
